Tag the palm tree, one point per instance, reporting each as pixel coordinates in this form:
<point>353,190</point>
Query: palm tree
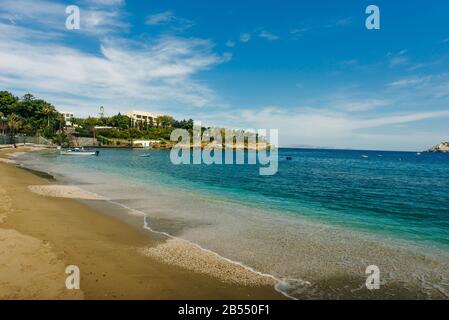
<point>61,121</point>
<point>158,121</point>
<point>14,124</point>
<point>47,110</point>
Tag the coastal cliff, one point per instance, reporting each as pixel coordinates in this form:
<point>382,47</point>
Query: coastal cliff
<point>442,147</point>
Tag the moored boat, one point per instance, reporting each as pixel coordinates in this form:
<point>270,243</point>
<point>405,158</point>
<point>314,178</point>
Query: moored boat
<point>79,152</point>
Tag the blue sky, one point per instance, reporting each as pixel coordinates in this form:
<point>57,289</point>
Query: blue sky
<point>307,68</point>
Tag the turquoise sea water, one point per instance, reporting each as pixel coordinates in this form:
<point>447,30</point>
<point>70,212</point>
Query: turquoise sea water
<point>399,196</point>
<point>396,192</point>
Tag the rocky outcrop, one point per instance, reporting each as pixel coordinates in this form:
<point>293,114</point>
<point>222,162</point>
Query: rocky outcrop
<point>83,142</point>
<point>442,147</point>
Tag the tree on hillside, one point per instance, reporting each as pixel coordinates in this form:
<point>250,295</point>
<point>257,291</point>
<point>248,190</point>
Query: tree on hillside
<point>38,115</point>
<point>120,121</point>
<point>47,110</point>
<point>28,97</point>
<point>157,121</point>
<point>61,121</point>
<point>8,103</point>
<point>14,124</point>
<point>184,124</point>
<point>165,121</point>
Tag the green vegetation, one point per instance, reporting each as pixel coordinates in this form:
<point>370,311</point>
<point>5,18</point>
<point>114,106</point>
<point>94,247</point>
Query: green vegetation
<point>29,115</point>
<point>120,127</point>
<point>32,116</point>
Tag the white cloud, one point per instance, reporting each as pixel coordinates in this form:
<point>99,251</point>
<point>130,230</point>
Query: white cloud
<point>168,18</point>
<point>123,73</point>
<point>331,128</point>
<point>25,34</point>
<point>160,18</point>
<point>398,59</point>
<point>267,35</point>
<point>50,16</point>
<point>298,31</point>
<point>430,89</point>
<point>102,22</point>
<point>361,105</point>
<point>441,90</point>
<point>416,66</point>
<point>399,119</point>
<point>245,37</point>
<point>408,82</point>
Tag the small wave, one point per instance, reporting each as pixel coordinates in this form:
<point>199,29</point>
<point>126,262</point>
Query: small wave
<point>282,285</point>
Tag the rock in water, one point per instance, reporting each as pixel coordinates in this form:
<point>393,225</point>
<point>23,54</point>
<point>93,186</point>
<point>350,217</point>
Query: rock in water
<point>442,147</point>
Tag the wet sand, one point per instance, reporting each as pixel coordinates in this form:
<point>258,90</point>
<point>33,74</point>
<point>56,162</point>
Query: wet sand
<point>41,235</point>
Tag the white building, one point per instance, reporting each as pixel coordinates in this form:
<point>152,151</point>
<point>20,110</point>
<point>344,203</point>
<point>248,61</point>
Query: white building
<point>67,117</point>
<point>142,117</point>
<point>145,143</point>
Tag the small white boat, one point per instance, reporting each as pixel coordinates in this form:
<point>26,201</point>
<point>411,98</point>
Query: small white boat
<point>418,153</point>
<point>364,156</point>
<point>79,152</point>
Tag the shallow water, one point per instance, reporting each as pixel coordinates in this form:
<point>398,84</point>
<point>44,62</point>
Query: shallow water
<point>318,223</point>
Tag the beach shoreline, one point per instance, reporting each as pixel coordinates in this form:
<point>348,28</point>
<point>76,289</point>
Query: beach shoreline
<point>108,251</point>
<point>328,262</point>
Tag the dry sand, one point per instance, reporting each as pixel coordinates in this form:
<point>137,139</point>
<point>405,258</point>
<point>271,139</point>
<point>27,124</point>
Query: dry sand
<point>29,269</point>
<point>41,235</point>
<point>64,191</point>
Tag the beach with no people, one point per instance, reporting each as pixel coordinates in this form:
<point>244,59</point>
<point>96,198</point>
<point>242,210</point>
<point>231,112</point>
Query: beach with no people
<point>44,228</point>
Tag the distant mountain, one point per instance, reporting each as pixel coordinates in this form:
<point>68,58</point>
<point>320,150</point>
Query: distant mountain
<point>442,147</point>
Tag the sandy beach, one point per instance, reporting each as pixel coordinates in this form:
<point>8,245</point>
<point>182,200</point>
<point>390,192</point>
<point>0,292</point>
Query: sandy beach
<point>44,228</point>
